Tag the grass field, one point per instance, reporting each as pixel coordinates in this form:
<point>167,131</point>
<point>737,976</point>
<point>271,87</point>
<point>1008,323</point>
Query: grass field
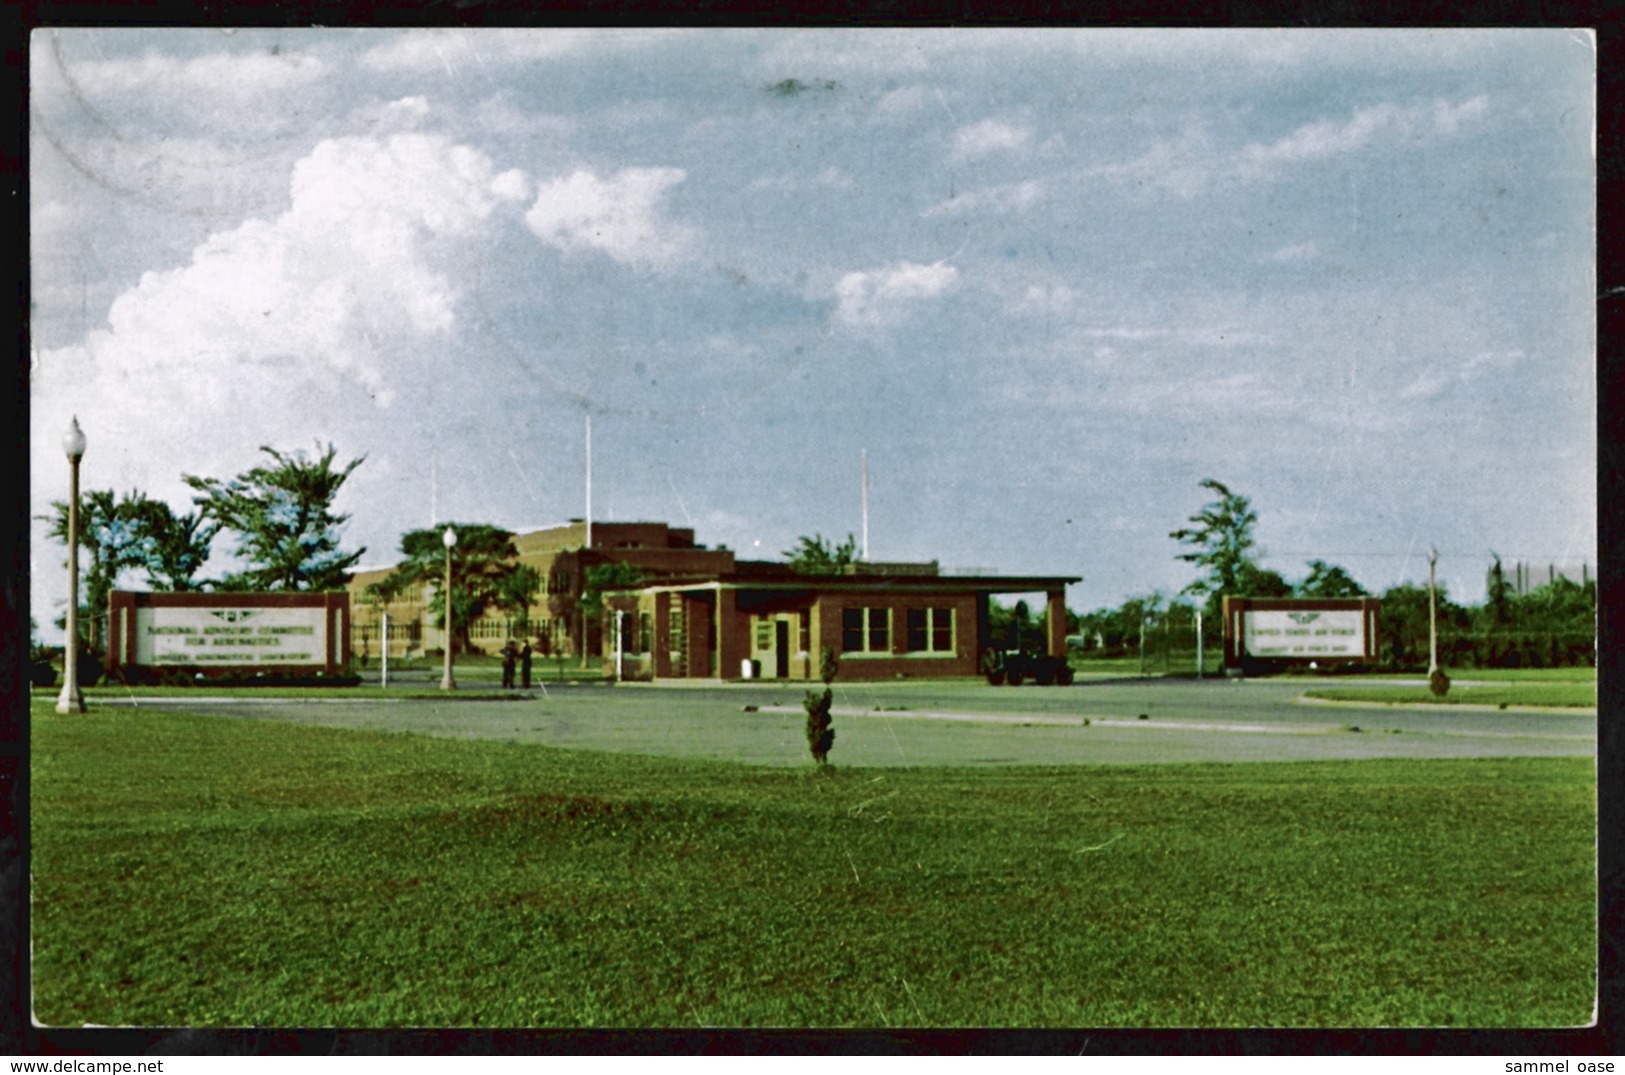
<point>1527,675</point>
<point>197,870</point>
<point>1519,693</point>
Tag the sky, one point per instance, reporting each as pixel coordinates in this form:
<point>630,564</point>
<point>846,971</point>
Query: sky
<point>1044,281</point>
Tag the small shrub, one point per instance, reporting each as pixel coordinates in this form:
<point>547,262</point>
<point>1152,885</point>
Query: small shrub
<point>1439,683</point>
<point>820,735</point>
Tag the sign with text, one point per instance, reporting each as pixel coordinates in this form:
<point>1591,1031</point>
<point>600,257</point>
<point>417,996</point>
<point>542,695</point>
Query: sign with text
<point>237,636</point>
<point>1309,634</point>
<point>227,635</point>
<point>1273,629</point>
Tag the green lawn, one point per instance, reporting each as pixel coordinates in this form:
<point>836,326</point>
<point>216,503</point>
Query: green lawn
<point>199,870</point>
<point>1534,693</point>
<point>1527,675</point>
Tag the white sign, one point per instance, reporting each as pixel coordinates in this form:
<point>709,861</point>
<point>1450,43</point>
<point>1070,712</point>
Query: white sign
<point>1311,634</point>
<point>242,636</point>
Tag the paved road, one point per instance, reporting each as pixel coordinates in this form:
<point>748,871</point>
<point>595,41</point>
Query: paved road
<point>923,723</point>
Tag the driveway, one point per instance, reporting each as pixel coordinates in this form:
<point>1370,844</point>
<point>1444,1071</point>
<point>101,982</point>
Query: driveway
<point>951,723</point>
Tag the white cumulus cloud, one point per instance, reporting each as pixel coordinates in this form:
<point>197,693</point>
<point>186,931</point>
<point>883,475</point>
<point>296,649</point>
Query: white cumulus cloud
<point>1006,198</point>
<point>989,136</point>
<point>463,51</point>
<point>221,73</point>
<point>1295,254</point>
<point>881,296</point>
<point>619,216</point>
<point>1434,382</point>
<point>1052,300</point>
<point>1364,126</point>
<point>352,271</point>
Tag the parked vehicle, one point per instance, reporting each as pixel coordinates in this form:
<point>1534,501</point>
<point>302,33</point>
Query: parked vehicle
<point>1016,667</point>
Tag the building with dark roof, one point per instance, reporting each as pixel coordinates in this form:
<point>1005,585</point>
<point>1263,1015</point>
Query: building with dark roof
<point>699,613</point>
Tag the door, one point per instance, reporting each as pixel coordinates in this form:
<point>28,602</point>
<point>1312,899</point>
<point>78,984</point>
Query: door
<point>781,649</point>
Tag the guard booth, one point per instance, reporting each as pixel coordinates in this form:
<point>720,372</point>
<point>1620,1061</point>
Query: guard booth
<point>275,637</point>
<point>1277,632</point>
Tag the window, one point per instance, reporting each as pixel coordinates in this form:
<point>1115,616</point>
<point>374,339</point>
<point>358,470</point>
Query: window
<point>930,630</point>
<point>646,633</point>
<point>866,630</point>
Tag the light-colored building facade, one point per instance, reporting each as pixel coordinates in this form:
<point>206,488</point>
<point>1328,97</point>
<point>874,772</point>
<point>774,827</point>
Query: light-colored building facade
<point>561,556</point>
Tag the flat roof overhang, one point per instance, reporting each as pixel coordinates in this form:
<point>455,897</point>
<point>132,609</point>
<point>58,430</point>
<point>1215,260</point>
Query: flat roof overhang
<point>921,584</point>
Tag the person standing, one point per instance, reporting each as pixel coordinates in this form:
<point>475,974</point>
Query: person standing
<point>508,655</point>
<point>524,664</point>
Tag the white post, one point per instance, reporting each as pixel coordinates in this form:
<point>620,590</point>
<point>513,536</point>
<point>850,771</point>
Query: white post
<point>384,676</point>
<point>70,700</point>
<point>1198,643</point>
<point>618,614</point>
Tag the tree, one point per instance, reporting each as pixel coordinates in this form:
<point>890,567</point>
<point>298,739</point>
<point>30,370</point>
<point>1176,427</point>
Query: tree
<point>1329,580</point>
<point>483,563</point>
<point>517,592</point>
<point>1404,612</point>
<point>282,514</point>
<point>112,535</point>
<point>595,580</point>
<point>816,556</point>
<point>1498,597</point>
<point>174,547</point>
<point>1255,581</point>
<point>1220,539</point>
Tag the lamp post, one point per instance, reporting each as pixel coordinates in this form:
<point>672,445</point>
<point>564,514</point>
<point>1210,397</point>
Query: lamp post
<point>449,538</point>
<point>1438,682</point>
<point>71,701</point>
<point>1433,615</point>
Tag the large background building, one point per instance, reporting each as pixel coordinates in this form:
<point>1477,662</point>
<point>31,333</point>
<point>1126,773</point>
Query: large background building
<point>699,613</point>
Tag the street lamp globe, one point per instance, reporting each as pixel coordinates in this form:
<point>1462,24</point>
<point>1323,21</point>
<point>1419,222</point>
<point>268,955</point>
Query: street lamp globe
<point>73,441</point>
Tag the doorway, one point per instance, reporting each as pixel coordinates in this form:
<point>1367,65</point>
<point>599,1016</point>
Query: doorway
<point>781,648</point>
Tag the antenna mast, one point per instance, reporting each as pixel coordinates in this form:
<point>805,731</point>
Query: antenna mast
<point>589,479</point>
<point>866,503</point>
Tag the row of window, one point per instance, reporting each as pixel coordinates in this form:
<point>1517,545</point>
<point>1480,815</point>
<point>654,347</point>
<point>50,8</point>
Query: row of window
<point>410,631</point>
<point>925,630</point>
<point>412,595</point>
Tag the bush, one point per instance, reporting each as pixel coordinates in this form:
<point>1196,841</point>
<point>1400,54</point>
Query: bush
<point>90,669</point>
<point>820,735</point>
